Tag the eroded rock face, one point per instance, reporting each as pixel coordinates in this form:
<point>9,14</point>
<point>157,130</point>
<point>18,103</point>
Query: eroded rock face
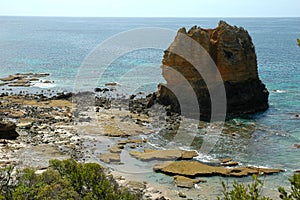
<point>232,51</point>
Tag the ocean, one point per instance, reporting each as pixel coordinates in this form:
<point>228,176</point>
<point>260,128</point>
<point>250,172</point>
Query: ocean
<point>59,46</point>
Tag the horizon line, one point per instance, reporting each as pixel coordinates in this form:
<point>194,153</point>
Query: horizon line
<point>148,16</point>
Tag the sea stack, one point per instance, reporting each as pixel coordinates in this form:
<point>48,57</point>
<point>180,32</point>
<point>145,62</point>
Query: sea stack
<point>231,50</point>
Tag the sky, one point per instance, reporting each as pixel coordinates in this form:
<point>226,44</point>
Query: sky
<point>151,8</point>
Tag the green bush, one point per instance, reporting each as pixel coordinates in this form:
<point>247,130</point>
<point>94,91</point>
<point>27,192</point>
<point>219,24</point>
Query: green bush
<point>295,189</point>
<point>6,183</point>
<point>62,180</point>
<point>254,190</point>
<point>242,192</point>
<point>298,40</point>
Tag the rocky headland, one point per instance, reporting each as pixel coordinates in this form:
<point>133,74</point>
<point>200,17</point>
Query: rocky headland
<point>232,51</point>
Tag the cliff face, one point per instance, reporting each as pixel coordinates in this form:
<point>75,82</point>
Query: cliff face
<point>233,53</point>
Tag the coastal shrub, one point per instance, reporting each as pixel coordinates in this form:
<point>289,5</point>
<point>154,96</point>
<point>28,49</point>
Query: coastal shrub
<point>295,189</point>
<point>6,183</point>
<point>242,192</point>
<point>62,180</point>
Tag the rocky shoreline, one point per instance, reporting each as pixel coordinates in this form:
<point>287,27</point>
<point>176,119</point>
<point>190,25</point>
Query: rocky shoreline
<point>35,129</point>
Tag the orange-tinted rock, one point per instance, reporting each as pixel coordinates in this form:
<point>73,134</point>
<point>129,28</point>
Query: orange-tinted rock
<point>233,53</point>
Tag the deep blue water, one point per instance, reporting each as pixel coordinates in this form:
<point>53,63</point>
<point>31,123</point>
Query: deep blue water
<point>59,46</point>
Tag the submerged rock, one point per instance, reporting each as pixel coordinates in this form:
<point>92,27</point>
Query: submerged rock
<point>194,169</point>
<point>182,181</point>
<point>8,130</point>
<point>233,52</point>
<point>228,162</point>
<point>297,146</point>
<point>111,84</point>
<point>225,160</point>
<point>23,79</point>
<point>116,149</point>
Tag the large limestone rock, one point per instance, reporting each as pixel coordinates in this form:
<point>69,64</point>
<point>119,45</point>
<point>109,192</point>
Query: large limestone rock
<point>233,52</point>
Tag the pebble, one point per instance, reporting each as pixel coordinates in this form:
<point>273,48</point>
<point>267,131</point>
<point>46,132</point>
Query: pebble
<point>181,194</point>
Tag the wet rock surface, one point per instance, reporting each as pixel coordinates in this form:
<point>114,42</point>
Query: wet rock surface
<point>24,79</point>
<point>185,182</point>
<point>232,51</point>
<point>195,168</point>
<point>175,154</point>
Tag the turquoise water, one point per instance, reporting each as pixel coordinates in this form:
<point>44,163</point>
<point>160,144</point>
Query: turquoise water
<point>59,46</point>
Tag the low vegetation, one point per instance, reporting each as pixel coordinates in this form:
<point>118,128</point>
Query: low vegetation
<point>294,190</point>
<point>71,180</point>
<point>62,180</point>
<point>253,191</point>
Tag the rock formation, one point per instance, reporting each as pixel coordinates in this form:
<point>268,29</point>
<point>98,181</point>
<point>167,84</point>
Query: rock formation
<point>171,154</point>
<point>232,51</point>
<point>185,182</point>
<point>8,130</point>
<point>24,79</point>
<point>196,169</point>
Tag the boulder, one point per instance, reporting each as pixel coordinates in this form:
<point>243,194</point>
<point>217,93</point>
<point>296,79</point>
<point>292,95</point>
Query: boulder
<point>232,51</point>
<point>8,130</point>
<point>195,168</point>
<point>297,146</point>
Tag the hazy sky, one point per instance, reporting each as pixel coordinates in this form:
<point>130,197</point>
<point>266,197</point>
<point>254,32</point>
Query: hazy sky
<point>152,8</point>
